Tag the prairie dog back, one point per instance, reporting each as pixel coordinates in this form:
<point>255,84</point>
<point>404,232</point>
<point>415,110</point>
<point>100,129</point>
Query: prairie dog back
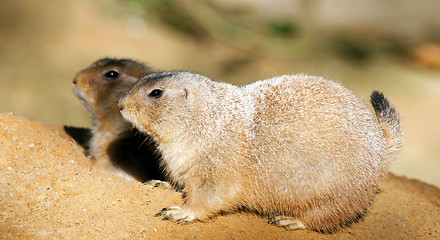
<point>301,149</point>
<point>318,121</point>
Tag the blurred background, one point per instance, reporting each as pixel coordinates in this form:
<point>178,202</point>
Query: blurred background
<point>392,46</point>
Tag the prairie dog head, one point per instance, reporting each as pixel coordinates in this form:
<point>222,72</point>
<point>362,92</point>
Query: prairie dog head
<point>100,86</point>
<point>162,101</point>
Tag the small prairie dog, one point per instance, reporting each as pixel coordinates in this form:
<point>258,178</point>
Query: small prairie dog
<point>303,150</point>
<point>115,146</point>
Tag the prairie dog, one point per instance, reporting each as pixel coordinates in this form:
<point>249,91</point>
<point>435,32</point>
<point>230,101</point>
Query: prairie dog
<point>301,149</point>
<point>115,146</point>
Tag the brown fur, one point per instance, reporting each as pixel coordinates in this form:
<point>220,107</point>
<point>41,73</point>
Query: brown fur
<point>301,149</point>
<point>115,147</point>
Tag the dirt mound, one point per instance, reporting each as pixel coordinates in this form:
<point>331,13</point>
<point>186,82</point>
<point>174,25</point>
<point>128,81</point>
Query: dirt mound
<point>49,191</point>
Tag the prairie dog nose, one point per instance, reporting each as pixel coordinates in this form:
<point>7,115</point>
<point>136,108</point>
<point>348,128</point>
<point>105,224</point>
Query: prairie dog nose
<point>121,106</point>
<point>121,102</point>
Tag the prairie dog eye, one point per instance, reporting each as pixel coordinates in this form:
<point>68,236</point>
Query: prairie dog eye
<point>112,74</point>
<point>156,93</point>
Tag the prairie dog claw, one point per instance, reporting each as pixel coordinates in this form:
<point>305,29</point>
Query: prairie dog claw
<point>176,214</point>
<point>159,183</point>
<point>287,222</point>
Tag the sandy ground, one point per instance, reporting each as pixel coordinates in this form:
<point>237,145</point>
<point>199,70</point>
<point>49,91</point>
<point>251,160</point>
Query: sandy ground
<point>48,191</point>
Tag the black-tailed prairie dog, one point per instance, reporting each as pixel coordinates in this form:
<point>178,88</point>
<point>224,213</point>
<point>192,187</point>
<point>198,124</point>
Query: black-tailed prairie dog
<point>115,146</point>
<point>301,149</point>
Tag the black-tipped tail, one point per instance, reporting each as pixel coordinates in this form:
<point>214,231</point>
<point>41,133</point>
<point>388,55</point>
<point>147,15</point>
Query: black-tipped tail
<point>381,105</point>
<point>389,120</point>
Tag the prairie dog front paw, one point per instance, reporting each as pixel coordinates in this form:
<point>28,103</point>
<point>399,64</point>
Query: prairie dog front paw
<point>176,214</point>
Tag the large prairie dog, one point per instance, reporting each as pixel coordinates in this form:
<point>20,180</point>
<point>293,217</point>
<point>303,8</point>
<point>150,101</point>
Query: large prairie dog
<point>115,146</point>
<point>300,149</point>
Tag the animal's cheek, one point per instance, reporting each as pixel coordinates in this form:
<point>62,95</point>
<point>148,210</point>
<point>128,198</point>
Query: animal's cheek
<point>138,112</point>
<point>138,108</point>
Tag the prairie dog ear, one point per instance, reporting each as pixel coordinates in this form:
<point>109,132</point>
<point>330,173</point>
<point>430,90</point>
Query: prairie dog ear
<point>176,93</point>
<point>189,93</point>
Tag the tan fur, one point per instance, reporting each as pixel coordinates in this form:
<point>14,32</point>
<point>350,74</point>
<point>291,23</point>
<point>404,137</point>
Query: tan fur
<point>115,147</point>
<point>300,149</point>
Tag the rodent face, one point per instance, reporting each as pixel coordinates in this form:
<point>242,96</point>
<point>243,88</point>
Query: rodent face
<point>100,86</point>
<point>154,104</point>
